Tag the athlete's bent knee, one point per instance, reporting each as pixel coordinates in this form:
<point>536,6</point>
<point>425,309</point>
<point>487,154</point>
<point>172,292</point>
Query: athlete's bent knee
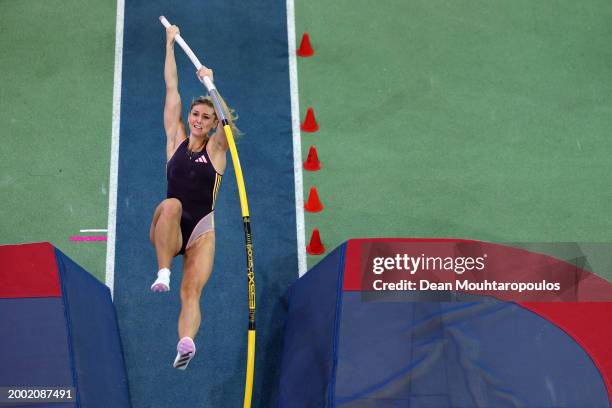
<point>171,207</point>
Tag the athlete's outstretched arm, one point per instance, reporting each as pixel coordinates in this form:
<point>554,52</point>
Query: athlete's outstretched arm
<point>175,130</point>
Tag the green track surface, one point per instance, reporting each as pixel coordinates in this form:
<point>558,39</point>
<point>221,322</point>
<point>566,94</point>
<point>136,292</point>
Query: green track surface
<point>487,120</point>
<point>55,109</point>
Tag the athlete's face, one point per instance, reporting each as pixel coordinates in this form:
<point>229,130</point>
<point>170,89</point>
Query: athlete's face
<point>201,119</point>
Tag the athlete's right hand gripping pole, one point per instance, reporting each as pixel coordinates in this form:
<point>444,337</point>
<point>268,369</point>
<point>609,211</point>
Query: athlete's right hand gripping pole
<point>212,90</point>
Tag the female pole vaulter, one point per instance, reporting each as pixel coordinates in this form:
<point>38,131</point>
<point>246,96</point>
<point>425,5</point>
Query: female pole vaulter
<point>183,223</point>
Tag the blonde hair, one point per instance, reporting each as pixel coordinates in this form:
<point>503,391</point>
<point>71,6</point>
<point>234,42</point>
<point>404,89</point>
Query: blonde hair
<point>230,113</point>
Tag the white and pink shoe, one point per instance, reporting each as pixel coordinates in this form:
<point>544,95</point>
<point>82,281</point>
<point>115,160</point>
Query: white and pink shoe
<point>185,351</point>
<point>162,283</point>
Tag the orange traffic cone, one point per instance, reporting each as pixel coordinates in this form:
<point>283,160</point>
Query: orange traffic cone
<point>316,246</point>
<point>312,162</point>
<point>313,204</point>
<point>310,123</point>
<point>305,49</point>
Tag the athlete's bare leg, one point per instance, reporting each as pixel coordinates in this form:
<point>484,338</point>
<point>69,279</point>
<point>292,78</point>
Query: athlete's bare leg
<point>197,268</point>
<point>165,231</point>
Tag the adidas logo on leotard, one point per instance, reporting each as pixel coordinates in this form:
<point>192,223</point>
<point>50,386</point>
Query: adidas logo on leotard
<point>201,159</point>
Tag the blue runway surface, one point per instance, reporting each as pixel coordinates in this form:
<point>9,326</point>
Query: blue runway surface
<point>247,49</point>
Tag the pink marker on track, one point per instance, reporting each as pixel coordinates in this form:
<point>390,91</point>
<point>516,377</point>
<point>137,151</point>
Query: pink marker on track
<point>88,238</point>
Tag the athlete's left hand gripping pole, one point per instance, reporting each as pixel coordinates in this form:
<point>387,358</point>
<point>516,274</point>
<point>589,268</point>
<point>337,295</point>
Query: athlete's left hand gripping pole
<point>212,90</point>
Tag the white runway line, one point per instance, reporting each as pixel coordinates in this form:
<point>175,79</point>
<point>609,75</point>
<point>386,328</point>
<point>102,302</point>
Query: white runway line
<point>297,141</point>
<point>114,159</point>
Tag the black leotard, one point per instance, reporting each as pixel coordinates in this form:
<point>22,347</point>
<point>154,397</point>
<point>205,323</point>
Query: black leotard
<point>192,180</point>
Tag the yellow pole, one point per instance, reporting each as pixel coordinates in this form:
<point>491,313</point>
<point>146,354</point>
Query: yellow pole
<point>244,205</point>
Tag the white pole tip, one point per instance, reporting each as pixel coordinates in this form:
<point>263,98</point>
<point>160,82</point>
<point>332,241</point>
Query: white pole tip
<point>165,22</point>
